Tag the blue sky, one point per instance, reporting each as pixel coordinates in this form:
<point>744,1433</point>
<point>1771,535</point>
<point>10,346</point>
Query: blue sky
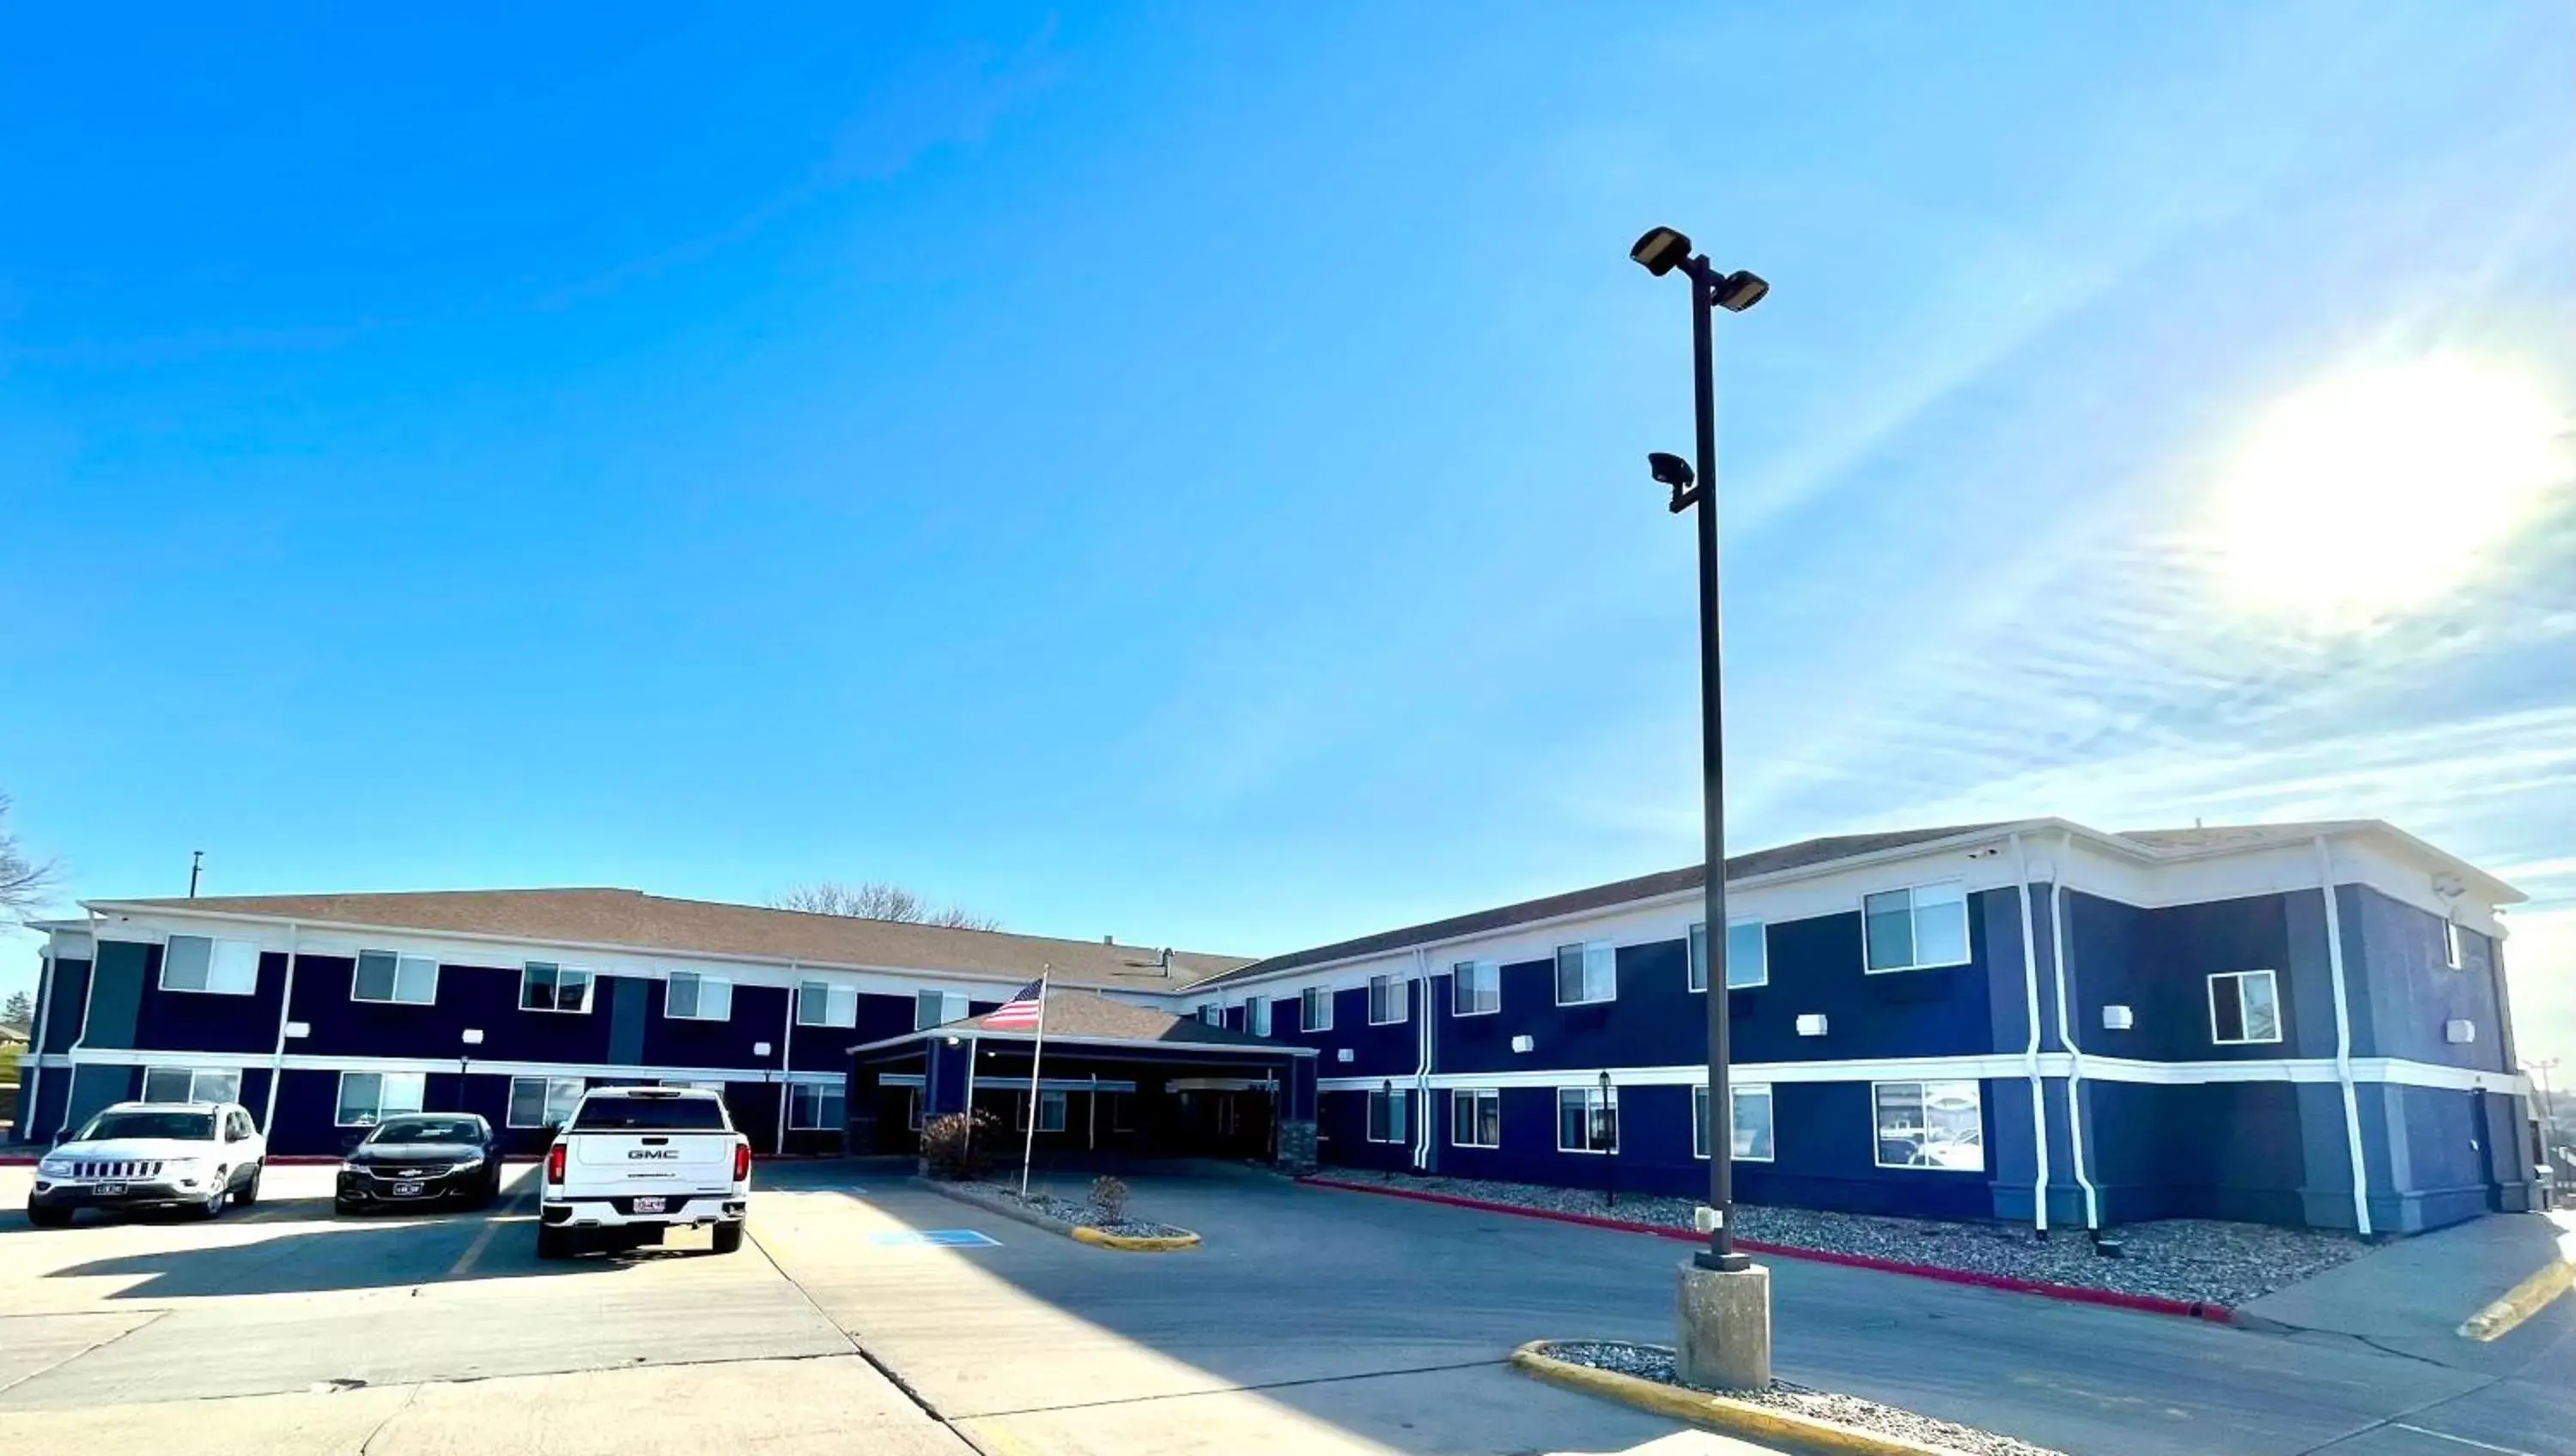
<point>1177,472</point>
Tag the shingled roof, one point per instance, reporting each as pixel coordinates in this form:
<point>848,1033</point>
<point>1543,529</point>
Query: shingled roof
<point>656,923</point>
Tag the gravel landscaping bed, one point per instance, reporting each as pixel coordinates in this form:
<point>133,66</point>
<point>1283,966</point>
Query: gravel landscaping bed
<point>1653,1362</point>
<point>1072,1214</point>
<point>2182,1258</point>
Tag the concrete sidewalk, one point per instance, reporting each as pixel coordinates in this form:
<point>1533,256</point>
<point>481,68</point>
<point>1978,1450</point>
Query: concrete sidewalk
<point>2413,1294</point>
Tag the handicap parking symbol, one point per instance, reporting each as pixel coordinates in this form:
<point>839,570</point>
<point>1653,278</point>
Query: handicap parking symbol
<point>932,1238</point>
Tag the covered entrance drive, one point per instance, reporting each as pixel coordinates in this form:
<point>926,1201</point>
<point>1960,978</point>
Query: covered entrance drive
<point>1113,1079</point>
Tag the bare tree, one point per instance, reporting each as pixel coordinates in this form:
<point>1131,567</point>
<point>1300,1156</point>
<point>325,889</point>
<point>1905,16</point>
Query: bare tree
<point>24,883</point>
<point>877,900</point>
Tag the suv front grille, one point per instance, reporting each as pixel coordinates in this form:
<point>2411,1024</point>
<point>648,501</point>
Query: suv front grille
<point>127,1168</point>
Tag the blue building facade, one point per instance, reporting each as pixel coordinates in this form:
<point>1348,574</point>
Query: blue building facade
<point>2034,1022</point>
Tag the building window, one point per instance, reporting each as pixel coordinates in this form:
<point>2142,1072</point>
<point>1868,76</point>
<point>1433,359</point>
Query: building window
<point>546,987</point>
<point>912,1108</point>
<point>367,1098</point>
<point>1929,1125</point>
<point>1916,928</point>
<point>1386,1116</point>
<point>1476,1118</point>
<point>192,1084</point>
<point>1475,988</point>
<point>2244,1009</point>
<point>820,1003</point>
<point>1315,1009</point>
<point>1390,1000</point>
<point>929,1009</point>
<point>404,980</point>
<point>1586,1121</point>
<point>216,967</point>
<point>1586,973</point>
<point>543,1101</point>
<point>2451,952</point>
<point>1751,1106</point>
<point>1050,1112</point>
<point>1747,961</point>
<point>1212,1014</point>
<point>693,997</point>
<point>816,1107</point>
<point>1256,1013</point>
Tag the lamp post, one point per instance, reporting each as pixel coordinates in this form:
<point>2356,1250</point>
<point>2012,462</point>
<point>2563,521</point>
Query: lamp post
<point>1725,1298</point>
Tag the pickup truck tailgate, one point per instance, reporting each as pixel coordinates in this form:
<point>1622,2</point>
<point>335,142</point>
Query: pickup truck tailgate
<point>606,1160</point>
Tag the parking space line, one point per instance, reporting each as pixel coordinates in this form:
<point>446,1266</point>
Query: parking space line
<point>491,1229</point>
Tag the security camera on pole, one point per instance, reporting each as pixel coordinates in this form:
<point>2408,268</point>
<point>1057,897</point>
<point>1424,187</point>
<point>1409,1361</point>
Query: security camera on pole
<point>1725,1297</point>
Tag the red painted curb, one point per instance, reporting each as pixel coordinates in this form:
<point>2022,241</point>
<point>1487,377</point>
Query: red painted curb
<point>2072,1293</point>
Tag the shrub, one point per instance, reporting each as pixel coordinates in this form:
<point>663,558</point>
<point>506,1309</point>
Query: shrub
<point>1109,1197</point>
<point>958,1145</point>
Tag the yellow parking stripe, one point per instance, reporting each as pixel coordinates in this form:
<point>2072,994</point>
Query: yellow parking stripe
<point>491,1229</point>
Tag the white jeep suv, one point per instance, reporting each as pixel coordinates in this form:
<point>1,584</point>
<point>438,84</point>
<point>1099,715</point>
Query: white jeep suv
<point>195,1156</point>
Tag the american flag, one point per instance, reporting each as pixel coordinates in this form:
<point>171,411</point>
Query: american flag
<point>1022,1011</point>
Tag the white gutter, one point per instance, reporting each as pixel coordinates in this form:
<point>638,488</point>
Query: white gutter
<point>2343,1041</point>
<point>786,1052</point>
<point>277,1053</point>
<point>2066,1035</point>
<point>2030,1052</point>
<point>1422,1062</point>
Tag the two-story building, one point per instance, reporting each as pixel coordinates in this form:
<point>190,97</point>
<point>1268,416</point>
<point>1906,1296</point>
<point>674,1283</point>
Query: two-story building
<point>2031,1021</point>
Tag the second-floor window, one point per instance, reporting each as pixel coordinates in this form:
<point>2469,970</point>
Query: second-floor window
<point>2244,1008</point>
<point>1747,961</point>
<point>935,1008</point>
<point>1475,988</point>
<point>693,997</point>
<point>820,1003</point>
<point>1916,928</point>
<point>1256,1016</point>
<point>545,986</point>
<point>1212,1014</point>
<point>1586,973</point>
<point>383,975</point>
<point>217,967</point>
<point>1388,1000</point>
<point>1315,1009</point>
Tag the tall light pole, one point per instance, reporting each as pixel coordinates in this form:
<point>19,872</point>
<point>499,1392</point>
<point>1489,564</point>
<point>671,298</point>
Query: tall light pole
<point>1725,1299</point>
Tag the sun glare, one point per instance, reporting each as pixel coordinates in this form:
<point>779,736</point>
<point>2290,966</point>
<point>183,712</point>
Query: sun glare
<point>2377,491</point>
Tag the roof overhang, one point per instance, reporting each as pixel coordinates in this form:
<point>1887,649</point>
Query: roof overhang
<point>964,1032</point>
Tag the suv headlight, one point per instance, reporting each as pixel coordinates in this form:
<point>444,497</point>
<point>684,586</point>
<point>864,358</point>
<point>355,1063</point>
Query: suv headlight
<point>467,1165</point>
<point>55,1167</point>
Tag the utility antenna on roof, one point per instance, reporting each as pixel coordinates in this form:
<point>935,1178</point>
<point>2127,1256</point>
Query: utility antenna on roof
<point>1165,961</point>
<point>2195,821</point>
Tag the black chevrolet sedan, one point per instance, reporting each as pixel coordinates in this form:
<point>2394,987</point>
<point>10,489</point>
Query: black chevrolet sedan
<point>420,1158</point>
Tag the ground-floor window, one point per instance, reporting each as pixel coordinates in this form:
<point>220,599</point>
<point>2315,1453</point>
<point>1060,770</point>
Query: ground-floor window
<point>1387,1116</point>
<point>1476,1118</point>
<point>1050,1112</point>
<point>912,1108</point>
<point>1751,1109</point>
<point>192,1084</point>
<point>1587,1120</point>
<point>367,1098</point>
<point>1929,1125</point>
<point>815,1107</point>
<point>543,1101</point>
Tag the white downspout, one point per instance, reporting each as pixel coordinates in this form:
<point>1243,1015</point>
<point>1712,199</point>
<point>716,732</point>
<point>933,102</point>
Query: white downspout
<point>2030,1053</point>
<point>80,1038</point>
<point>2066,1033</point>
<point>31,1074</point>
<point>285,1010</point>
<point>2343,1041</point>
<point>1422,1060</point>
<point>786,1051</point>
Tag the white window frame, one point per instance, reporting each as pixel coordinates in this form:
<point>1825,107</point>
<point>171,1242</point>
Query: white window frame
<point>225,967</point>
<point>1600,965</point>
<point>419,1081</point>
<point>1734,1109</point>
<point>704,983</point>
<point>1307,1000</point>
<point>1211,1013</point>
<point>949,1006</point>
<point>1050,1100</point>
<point>1592,1101</point>
<point>840,1004</point>
<point>1399,1116</point>
<point>402,963</point>
<point>2238,980</point>
<point>1393,993</point>
<point>589,988</point>
<point>807,1100</point>
<point>2454,954</point>
<point>1256,1016</point>
<point>195,1076</point>
<point>1695,947</point>
<point>1924,1086</point>
<point>1477,977</point>
<point>545,1102</point>
<point>1914,912</point>
<point>1471,1100</point>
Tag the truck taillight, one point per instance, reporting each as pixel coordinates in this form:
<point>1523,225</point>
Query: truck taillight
<point>554,1163</point>
<point>741,1161</point>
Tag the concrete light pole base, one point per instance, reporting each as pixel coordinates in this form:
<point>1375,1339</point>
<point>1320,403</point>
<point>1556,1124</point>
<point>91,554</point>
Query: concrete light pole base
<point>1725,1327</point>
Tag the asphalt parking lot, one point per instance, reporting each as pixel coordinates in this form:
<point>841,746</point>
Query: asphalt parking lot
<point>1312,1320</point>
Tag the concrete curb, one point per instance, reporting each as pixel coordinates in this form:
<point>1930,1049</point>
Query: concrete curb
<point>1778,1428</point>
<point>1079,1233</point>
<point>2070,1293</point>
<point>2527,1298</point>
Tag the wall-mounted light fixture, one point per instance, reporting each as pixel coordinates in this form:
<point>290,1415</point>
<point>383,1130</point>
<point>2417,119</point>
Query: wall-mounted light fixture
<point>1812,1024</point>
<point>2459,1031</point>
<point>1524,1043</point>
<point>2117,1018</point>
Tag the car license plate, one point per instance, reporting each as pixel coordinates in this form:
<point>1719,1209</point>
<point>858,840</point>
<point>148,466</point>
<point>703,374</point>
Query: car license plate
<point>406,1190</point>
<point>649,1205</point>
<point>111,1190</point>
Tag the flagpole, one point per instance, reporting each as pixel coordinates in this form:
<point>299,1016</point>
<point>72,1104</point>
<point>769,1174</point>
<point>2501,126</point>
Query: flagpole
<point>1029,1144</point>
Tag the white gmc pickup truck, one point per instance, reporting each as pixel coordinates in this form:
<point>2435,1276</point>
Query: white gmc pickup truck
<point>634,1162</point>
